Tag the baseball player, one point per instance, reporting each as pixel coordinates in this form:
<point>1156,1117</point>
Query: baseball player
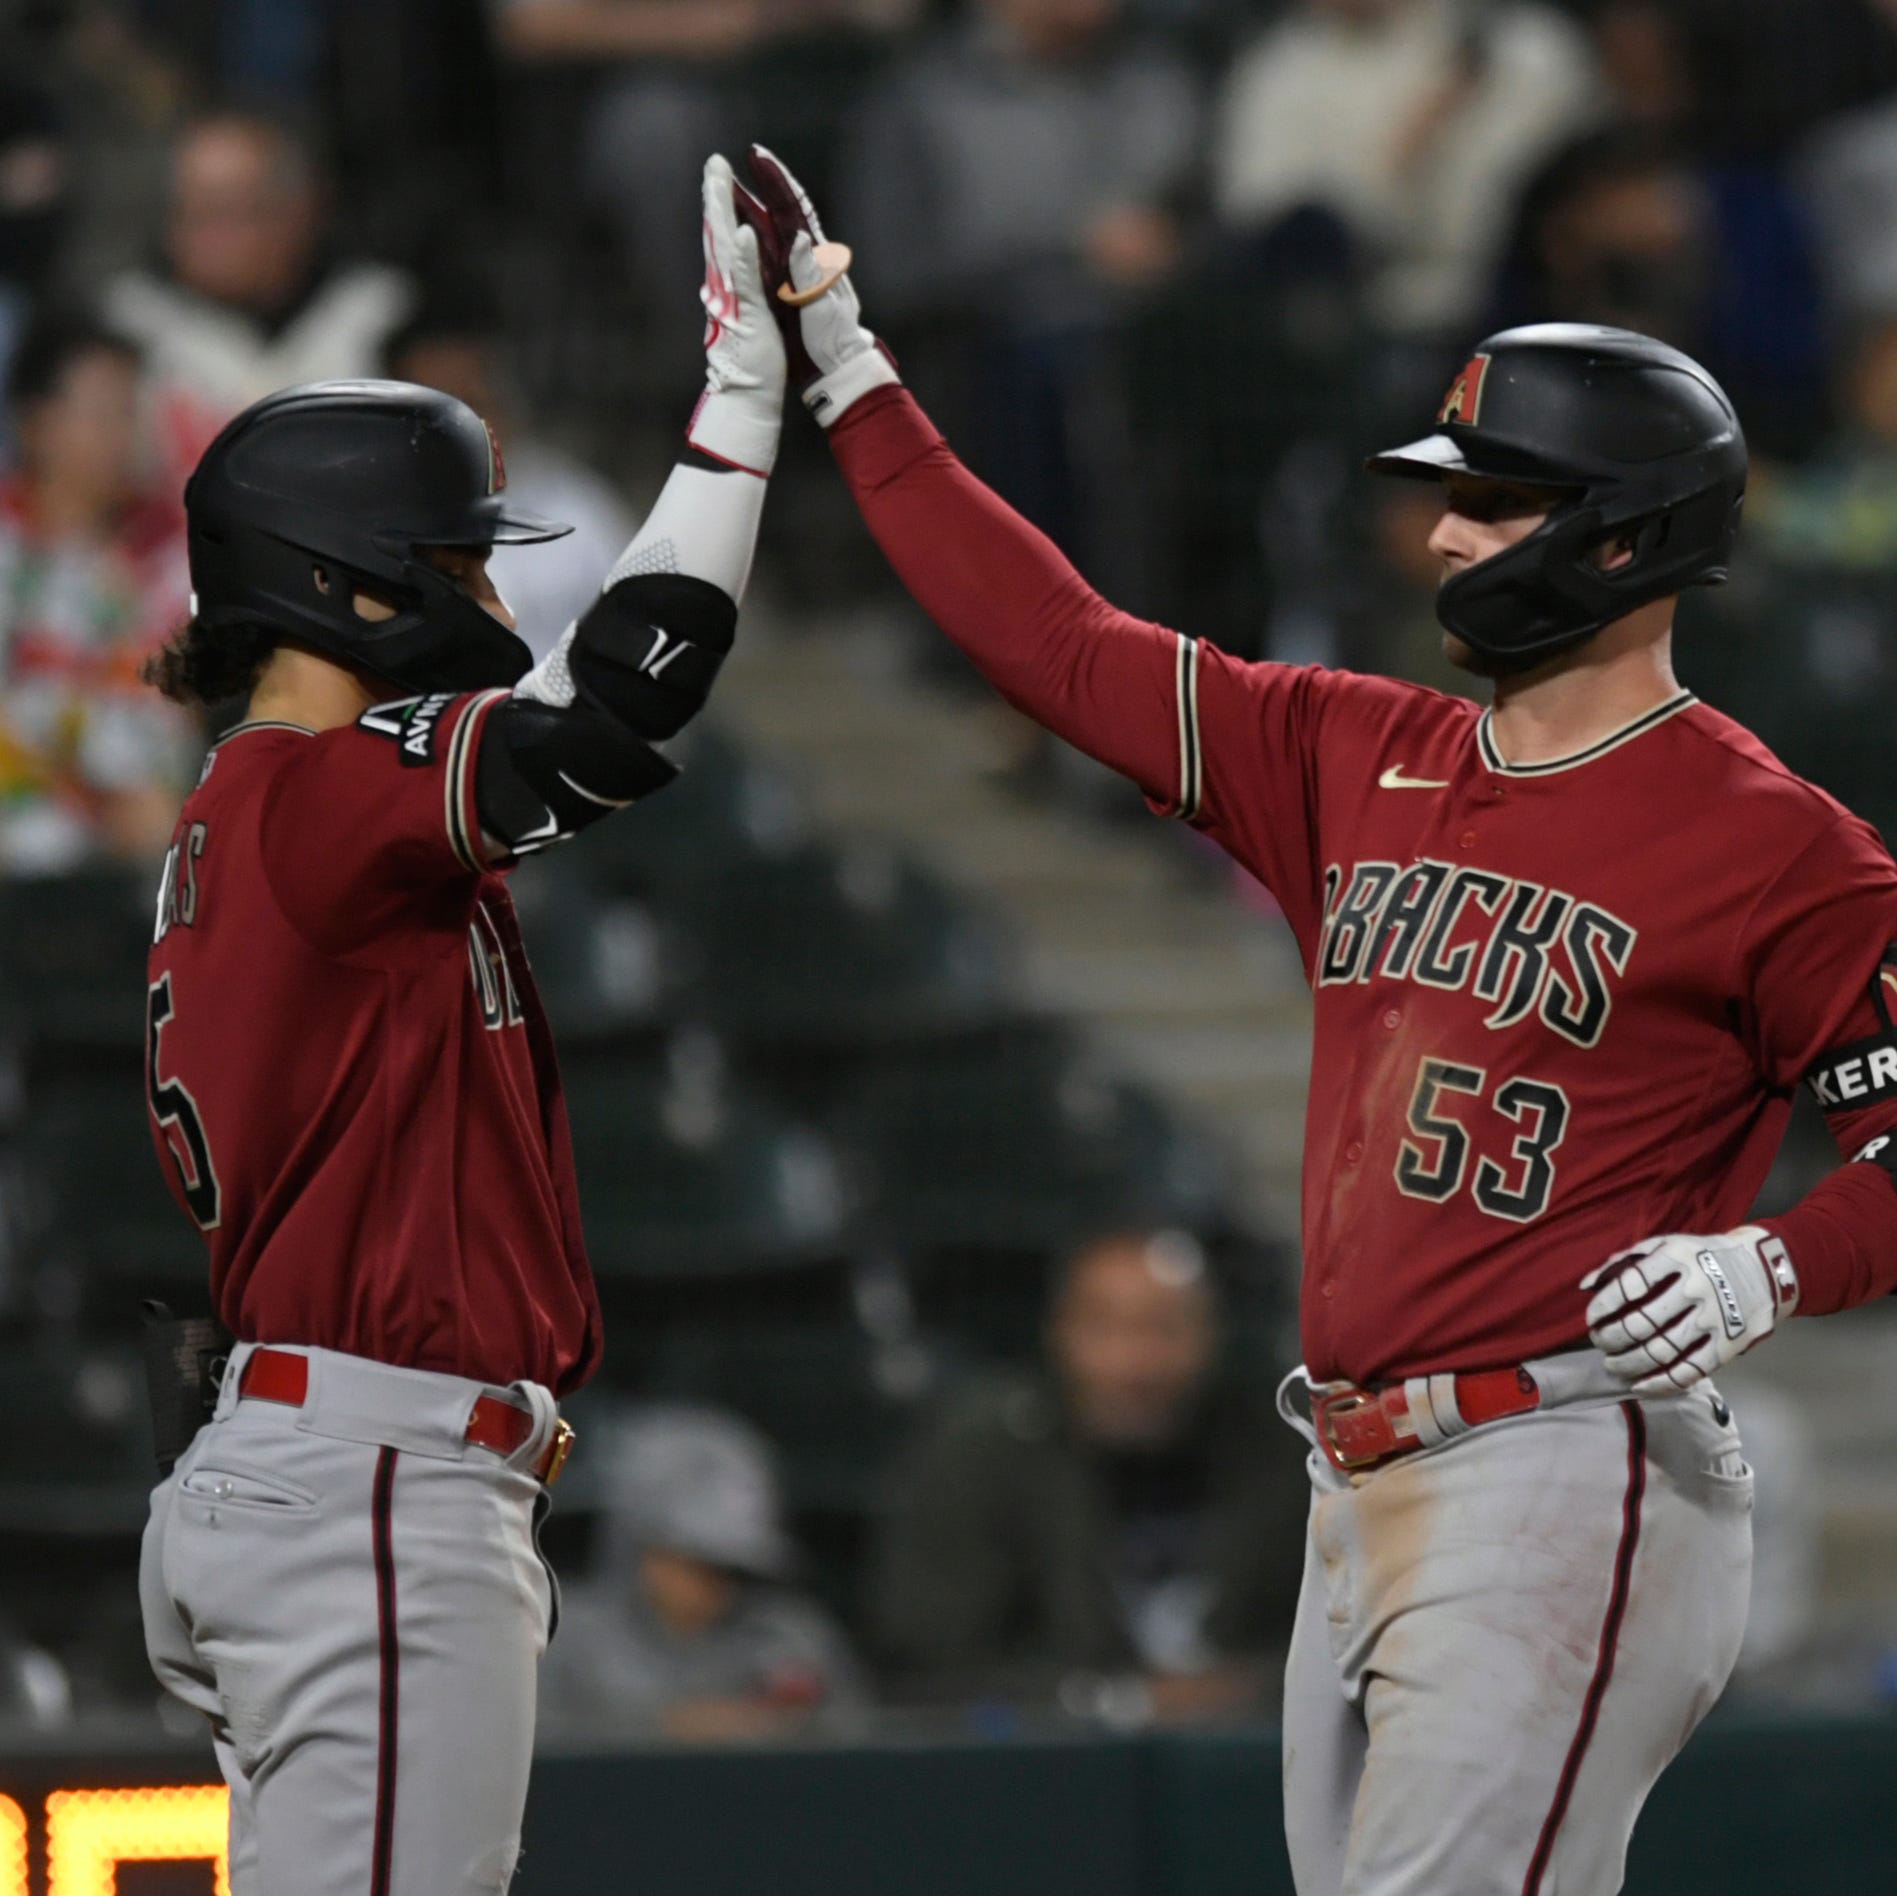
<point>354,1097</point>
<point>1570,956</point>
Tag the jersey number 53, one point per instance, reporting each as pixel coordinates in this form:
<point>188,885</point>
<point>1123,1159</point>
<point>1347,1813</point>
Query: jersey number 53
<point>1434,1163</point>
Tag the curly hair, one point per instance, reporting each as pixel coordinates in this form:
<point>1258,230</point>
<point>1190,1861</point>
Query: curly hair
<point>199,667</point>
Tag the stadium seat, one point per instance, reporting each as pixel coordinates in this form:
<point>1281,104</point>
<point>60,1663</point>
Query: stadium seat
<point>72,959</point>
<point>95,1194</point>
<point>723,815</point>
<point>600,959</point>
<point>683,1174</point>
<point>832,1401</point>
<point>79,1418</point>
<point>851,947</point>
<point>1012,1146</point>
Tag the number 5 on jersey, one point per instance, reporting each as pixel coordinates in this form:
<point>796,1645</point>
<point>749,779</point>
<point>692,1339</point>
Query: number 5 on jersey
<point>179,1121</point>
<point>1434,1164</point>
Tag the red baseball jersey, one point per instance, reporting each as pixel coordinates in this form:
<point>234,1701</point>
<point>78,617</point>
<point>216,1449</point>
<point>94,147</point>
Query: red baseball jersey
<point>351,1082</point>
<point>1559,1008</point>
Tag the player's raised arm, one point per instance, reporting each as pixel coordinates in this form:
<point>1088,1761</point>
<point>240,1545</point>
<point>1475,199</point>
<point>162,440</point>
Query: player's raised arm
<point>1121,689</point>
<point>574,741</point>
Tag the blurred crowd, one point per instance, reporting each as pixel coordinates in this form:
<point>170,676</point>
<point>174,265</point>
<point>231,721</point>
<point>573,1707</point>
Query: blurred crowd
<point>1165,270</point>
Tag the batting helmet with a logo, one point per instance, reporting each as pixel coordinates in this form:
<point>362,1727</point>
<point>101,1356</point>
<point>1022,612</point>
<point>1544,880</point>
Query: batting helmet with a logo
<point>1640,444</point>
<point>322,491</point>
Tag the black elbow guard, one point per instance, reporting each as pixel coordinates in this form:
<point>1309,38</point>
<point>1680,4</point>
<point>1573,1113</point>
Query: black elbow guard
<point>647,651</point>
<point>546,771</point>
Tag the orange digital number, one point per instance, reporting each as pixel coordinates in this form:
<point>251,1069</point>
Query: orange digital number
<point>12,1848</point>
<point>90,1833</point>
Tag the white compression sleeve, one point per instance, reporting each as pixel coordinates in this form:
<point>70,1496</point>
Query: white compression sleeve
<point>703,525</point>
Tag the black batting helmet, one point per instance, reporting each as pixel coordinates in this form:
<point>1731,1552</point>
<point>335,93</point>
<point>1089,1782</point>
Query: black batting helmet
<point>322,490</point>
<point>1644,446</point>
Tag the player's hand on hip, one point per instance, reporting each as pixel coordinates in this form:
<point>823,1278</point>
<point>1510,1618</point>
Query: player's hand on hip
<point>1669,1312</point>
<point>834,360</point>
<point>740,415</point>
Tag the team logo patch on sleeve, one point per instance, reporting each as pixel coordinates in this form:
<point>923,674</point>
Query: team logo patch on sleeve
<point>410,723</point>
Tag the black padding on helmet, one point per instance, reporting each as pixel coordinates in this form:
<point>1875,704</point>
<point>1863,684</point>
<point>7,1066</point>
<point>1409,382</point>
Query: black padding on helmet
<point>322,490</point>
<point>1644,445</point>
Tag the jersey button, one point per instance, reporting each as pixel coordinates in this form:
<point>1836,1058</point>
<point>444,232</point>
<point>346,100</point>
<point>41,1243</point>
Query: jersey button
<point>1329,1289</point>
<point>1353,1152</point>
<point>1467,839</point>
<point>1393,1018</point>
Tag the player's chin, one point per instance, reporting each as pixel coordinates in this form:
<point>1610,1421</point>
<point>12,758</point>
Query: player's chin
<point>1461,654</point>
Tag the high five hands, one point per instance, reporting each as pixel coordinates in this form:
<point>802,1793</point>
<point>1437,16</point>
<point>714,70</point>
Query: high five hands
<point>833,359</point>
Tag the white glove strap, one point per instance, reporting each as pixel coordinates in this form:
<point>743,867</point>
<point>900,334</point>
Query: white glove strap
<point>1778,1266</point>
<point>829,395</point>
<point>739,427</point>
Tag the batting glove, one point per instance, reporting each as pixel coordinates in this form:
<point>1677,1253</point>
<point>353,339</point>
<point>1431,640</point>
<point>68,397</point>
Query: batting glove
<point>833,358</point>
<point>1669,1312</point>
<point>740,415</point>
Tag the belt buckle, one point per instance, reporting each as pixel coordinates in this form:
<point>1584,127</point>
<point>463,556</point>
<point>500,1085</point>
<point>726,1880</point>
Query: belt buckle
<point>563,1439</point>
<point>1350,1402</point>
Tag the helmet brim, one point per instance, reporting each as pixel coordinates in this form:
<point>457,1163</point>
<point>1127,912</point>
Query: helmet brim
<point>1426,460</point>
<point>495,522</point>
<point>1481,455</point>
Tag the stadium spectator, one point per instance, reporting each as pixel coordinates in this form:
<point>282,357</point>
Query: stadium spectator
<point>1801,647</point>
<point>680,78</point>
<point>548,586</point>
<point>1838,509</point>
<point>250,294</point>
<point>1117,1531</point>
<point>1847,173</point>
<point>35,188</point>
<point>688,1623</point>
<point>92,576</point>
<point>1616,228</point>
<point>34,1687</point>
<point>1032,280</point>
<point>1412,121</point>
<point>1627,225</point>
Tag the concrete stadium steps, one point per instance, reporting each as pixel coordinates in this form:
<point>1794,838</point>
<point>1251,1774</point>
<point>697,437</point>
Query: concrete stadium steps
<point>1118,926</point>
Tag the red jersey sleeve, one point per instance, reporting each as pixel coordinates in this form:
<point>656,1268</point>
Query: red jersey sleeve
<point>364,820</point>
<point>1228,745</point>
<point>1820,983</point>
<point>1810,951</point>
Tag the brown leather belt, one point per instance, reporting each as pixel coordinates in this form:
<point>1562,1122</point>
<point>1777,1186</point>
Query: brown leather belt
<point>284,1376</point>
<point>1360,1429</point>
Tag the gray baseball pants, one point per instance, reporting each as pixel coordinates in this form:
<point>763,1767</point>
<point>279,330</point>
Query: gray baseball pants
<point>1503,1640</point>
<point>352,1594</point>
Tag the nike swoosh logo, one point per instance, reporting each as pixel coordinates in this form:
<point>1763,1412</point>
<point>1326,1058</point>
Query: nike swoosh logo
<point>1394,779</point>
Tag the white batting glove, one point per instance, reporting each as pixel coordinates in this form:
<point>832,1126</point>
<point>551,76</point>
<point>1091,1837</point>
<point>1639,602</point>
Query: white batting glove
<point>1669,1312</point>
<point>741,413</point>
<point>836,360</point>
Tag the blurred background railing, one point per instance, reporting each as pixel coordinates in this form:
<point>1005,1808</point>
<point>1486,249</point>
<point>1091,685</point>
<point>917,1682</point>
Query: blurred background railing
<point>892,1010</point>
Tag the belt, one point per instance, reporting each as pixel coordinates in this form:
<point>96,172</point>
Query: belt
<point>1360,1429</point>
<point>283,1376</point>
